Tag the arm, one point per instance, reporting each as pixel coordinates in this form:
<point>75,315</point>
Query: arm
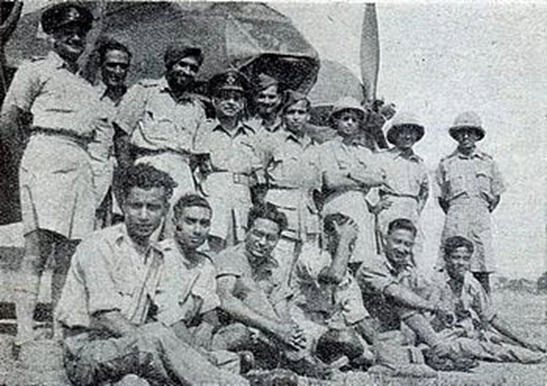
<point>122,148</point>
<point>287,333</point>
<point>423,195</point>
<point>408,298</point>
<point>114,322</point>
<point>494,203</point>
<point>347,234</point>
<point>441,184</point>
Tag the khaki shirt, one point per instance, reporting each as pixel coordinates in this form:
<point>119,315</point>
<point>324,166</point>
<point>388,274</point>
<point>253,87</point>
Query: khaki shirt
<point>102,147</point>
<point>474,176</point>
<point>107,274</point>
<point>186,289</point>
<point>155,120</point>
<point>58,99</point>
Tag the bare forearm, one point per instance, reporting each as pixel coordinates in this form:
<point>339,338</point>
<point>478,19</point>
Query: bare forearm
<point>407,298</point>
<point>115,323</point>
<point>239,311</point>
<point>504,327</point>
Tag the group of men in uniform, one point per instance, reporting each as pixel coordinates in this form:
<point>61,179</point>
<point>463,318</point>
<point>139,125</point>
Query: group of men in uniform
<point>215,243</point>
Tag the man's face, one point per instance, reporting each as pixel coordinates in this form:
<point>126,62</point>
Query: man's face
<point>182,74</point>
<point>406,138</point>
<point>467,138</point>
<point>458,263</point>
<point>229,103</point>
<point>347,123</point>
<point>268,100</point>
<point>114,68</point>
<point>69,42</point>
<point>262,238</point>
<point>144,210</point>
<point>399,244</point>
<point>296,115</point>
<point>192,227</point>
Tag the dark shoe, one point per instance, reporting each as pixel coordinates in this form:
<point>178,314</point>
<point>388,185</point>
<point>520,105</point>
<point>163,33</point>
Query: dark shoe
<point>278,377</point>
<point>449,363</point>
<point>311,367</point>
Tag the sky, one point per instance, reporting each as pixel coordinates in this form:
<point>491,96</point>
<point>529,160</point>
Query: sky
<point>438,60</point>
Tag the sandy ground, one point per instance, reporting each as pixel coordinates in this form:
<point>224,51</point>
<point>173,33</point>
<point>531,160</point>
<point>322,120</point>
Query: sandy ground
<point>525,311</point>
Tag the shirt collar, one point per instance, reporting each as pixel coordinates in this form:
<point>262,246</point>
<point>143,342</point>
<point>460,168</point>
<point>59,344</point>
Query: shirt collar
<point>303,140</point>
<point>122,237</point>
<point>397,270</point>
<point>102,90</point>
<point>57,61</point>
<point>475,154</point>
<point>255,262</point>
<point>409,155</point>
<point>241,129</point>
<point>164,87</point>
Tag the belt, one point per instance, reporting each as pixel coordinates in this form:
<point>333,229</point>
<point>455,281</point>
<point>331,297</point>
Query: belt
<point>142,152</point>
<point>238,178</point>
<point>63,133</point>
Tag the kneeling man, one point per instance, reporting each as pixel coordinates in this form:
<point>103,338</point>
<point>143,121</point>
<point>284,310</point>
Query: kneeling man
<point>107,304</point>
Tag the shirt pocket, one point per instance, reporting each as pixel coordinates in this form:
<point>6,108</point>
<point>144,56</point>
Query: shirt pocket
<point>484,179</point>
<point>159,120</point>
<point>455,182</point>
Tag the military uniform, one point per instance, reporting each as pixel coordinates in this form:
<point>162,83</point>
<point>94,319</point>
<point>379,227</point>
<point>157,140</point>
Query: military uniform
<point>162,130</point>
<point>55,172</point>
<point>108,274</point>
<point>469,184</point>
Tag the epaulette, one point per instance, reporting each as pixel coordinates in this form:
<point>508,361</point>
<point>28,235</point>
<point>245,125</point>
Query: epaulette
<point>35,59</point>
<point>149,82</point>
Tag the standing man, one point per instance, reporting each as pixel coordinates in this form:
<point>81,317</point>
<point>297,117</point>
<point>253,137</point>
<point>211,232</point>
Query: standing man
<point>406,175</point>
<point>58,205</point>
<point>470,190</point>
<point>293,175</point>
<point>111,292</point>
<point>114,59</point>
<point>161,118</point>
<point>229,162</point>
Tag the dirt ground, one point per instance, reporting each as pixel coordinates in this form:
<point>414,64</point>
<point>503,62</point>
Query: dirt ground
<point>527,312</point>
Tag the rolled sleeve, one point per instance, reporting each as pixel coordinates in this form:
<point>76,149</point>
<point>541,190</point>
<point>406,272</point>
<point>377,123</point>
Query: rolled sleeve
<point>131,109</point>
<point>227,263</point>
<point>24,88</point>
<point>351,301</point>
<point>498,185</point>
<point>373,276</point>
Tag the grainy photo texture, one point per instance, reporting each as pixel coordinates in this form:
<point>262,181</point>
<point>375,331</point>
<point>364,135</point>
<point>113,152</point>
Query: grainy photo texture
<point>281,193</point>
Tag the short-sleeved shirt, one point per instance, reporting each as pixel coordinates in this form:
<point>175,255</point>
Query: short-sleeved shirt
<point>58,99</point>
<point>473,176</point>
<point>156,120</point>
<point>108,274</point>
<point>472,306</point>
<point>187,289</point>
<point>374,276</point>
<point>293,173</point>
<point>256,285</point>
<point>266,136</point>
<point>337,305</point>
<point>405,174</point>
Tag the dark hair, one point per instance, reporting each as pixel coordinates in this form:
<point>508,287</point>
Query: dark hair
<point>402,223</point>
<point>188,201</point>
<point>291,97</point>
<point>330,219</point>
<point>269,212</point>
<point>145,176</point>
<point>455,242</point>
<point>109,44</point>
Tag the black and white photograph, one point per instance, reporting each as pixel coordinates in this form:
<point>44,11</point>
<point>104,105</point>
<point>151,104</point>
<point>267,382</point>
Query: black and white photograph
<point>282,193</point>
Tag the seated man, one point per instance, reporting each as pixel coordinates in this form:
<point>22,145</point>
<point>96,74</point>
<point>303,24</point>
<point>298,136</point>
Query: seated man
<point>328,304</point>
<point>390,286</point>
<point>187,298</point>
<point>255,304</point>
<point>111,288</point>
<point>473,316</point>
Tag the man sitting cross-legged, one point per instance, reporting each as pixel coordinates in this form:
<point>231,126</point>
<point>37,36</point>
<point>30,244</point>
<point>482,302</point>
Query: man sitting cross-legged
<point>473,316</point>
<point>255,306</point>
<point>328,304</point>
<point>110,293</point>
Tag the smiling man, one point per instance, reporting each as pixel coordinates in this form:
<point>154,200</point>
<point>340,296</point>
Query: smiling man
<point>111,294</point>
<point>161,118</point>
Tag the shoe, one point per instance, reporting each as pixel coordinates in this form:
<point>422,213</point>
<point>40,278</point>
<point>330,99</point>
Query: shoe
<point>449,363</point>
<point>311,367</point>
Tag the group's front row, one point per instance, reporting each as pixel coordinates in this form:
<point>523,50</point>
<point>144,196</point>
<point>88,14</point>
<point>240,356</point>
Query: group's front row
<point>171,313</point>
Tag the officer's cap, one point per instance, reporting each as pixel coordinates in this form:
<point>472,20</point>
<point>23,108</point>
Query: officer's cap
<point>62,15</point>
<point>231,80</point>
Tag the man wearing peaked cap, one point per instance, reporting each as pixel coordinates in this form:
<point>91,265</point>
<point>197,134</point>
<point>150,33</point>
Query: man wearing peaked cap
<point>161,116</point>
<point>406,176</point>
<point>58,205</point>
<point>228,162</point>
<point>470,189</point>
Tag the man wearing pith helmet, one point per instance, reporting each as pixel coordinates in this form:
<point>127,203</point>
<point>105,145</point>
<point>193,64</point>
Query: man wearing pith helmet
<point>470,189</point>
<point>228,160</point>
<point>406,174</point>
<point>161,117</point>
<point>57,201</point>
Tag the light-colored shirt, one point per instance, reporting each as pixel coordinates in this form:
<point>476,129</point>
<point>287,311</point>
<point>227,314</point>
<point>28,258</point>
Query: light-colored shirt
<point>266,136</point>
<point>473,176</point>
<point>108,274</point>
<point>57,98</point>
<point>331,304</point>
<point>405,174</point>
<point>156,120</point>
<point>187,289</point>
<point>102,146</point>
<point>256,286</point>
